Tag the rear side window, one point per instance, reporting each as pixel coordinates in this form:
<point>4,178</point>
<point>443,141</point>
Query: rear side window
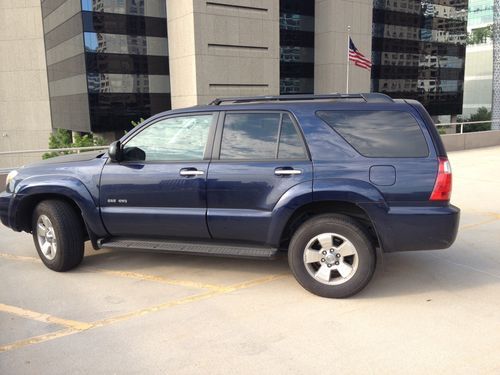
<point>260,136</point>
<point>379,133</point>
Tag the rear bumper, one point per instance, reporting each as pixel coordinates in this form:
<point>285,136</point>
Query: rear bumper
<point>417,228</point>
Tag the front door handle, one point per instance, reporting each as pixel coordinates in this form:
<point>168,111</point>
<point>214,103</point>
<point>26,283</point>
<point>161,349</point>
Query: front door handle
<point>287,171</point>
<point>190,172</point>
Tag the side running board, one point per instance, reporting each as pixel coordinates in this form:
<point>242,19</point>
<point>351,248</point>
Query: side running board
<point>222,250</point>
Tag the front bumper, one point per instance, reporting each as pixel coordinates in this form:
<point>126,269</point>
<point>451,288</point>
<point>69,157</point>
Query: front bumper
<point>5,200</point>
<point>417,228</point>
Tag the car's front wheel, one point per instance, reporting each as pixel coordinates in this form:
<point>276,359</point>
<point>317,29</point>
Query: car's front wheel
<point>58,235</point>
<point>332,256</point>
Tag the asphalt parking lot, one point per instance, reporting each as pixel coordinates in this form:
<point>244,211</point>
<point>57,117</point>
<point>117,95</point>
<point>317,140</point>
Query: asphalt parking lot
<point>129,312</point>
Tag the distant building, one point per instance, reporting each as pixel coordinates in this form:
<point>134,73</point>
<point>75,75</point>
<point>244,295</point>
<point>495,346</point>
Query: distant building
<point>418,52</point>
<point>105,63</point>
<point>479,58</point>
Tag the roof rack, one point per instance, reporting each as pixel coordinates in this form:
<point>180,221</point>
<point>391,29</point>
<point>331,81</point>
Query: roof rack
<point>371,97</point>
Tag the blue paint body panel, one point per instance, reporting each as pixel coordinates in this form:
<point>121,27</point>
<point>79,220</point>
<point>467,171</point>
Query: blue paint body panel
<point>244,201</point>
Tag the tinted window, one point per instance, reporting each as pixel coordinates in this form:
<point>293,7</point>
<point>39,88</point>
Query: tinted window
<point>290,146</point>
<point>379,133</point>
<point>177,138</point>
<point>250,136</point>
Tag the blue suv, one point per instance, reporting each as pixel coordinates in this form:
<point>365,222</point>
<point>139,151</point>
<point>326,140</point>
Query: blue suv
<point>332,179</point>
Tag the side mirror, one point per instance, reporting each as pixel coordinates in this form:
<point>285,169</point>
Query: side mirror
<point>115,151</point>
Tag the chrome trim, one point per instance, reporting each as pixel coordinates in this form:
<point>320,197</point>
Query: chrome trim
<point>190,172</point>
<point>287,172</point>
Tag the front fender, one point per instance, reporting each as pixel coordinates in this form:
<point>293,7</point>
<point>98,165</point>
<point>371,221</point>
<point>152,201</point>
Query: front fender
<point>66,186</point>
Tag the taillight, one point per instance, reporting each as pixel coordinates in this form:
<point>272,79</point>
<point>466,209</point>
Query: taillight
<point>442,187</point>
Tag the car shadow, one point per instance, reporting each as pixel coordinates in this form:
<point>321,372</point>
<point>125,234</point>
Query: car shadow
<point>397,274</point>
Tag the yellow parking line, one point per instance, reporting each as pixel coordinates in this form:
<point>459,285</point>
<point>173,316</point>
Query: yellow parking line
<point>130,275</point>
<point>79,326</point>
<point>185,300</point>
<point>473,225</point>
<point>19,257</point>
<point>159,279</point>
<point>45,318</point>
<point>136,275</point>
<point>38,339</point>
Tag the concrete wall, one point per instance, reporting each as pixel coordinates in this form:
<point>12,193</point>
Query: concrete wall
<point>25,121</point>
<point>332,19</point>
<point>223,48</point>
<point>465,141</point>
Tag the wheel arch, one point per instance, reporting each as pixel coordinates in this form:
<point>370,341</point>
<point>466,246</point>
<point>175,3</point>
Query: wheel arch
<point>315,208</point>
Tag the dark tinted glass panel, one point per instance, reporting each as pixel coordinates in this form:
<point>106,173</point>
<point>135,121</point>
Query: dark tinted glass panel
<point>296,22</point>
<point>127,83</point>
<point>128,64</point>
<point>379,133</point>
<point>419,52</point>
<point>290,146</point>
<point>250,136</point>
<point>289,54</point>
<point>124,24</point>
<point>296,85</point>
<point>297,70</point>
<point>305,7</point>
<point>178,138</point>
<point>154,8</point>
<point>297,38</point>
<point>125,44</point>
<point>115,111</point>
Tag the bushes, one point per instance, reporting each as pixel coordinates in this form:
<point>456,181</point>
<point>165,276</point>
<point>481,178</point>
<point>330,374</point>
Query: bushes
<point>61,138</point>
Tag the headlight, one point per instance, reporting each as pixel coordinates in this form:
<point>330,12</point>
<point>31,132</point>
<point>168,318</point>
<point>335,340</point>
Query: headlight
<point>11,177</point>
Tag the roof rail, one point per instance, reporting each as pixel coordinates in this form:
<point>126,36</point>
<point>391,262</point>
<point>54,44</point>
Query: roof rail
<point>372,97</point>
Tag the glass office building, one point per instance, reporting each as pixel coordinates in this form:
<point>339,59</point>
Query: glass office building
<point>107,62</point>
<point>296,47</point>
<point>418,51</point>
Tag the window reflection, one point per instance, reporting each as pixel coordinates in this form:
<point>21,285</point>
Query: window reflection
<point>290,145</point>
<point>132,7</point>
<point>178,138</point>
<point>250,136</point>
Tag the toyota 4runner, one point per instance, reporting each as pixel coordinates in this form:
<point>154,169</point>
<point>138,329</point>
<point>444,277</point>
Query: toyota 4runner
<point>332,179</point>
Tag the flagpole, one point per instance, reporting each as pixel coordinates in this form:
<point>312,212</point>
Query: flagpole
<point>347,75</point>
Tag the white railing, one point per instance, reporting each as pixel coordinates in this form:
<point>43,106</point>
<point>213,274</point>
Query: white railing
<point>79,149</point>
<point>68,149</point>
<point>461,124</point>
<point>75,150</point>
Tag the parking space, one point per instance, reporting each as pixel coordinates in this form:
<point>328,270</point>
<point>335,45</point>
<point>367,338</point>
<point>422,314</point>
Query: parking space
<point>131,312</point>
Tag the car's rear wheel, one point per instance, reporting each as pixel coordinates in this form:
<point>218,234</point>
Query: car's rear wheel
<point>332,256</point>
<point>58,235</point>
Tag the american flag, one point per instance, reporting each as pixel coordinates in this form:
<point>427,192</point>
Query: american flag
<point>357,57</point>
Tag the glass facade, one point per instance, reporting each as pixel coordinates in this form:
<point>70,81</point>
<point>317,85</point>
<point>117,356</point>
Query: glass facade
<point>296,47</point>
<point>480,14</point>
<point>107,62</point>
<point>418,51</point>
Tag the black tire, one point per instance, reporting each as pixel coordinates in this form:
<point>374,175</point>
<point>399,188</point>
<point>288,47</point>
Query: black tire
<point>68,229</point>
<point>351,230</point>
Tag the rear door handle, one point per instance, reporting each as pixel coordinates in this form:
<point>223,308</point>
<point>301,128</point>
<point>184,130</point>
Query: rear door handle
<point>190,172</point>
<point>287,171</point>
